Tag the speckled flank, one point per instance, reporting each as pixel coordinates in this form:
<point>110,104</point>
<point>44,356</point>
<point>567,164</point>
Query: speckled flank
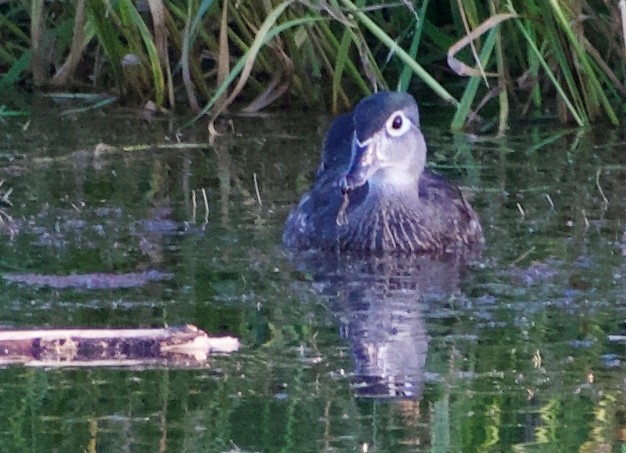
<point>391,225</point>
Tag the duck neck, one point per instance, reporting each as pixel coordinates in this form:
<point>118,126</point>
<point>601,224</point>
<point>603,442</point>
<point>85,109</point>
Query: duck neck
<point>395,191</point>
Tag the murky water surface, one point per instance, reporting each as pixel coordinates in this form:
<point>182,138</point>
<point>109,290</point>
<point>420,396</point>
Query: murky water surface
<point>519,350</point>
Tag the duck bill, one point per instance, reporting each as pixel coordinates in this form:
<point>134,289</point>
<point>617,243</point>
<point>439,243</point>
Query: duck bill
<point>364,164</point>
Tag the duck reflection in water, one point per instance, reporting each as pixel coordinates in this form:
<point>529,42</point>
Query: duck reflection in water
<point>384,237</point>
<point>381,305</point>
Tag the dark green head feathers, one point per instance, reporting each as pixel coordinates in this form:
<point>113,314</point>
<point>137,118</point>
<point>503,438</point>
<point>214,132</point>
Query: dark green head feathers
<point>373,192</point>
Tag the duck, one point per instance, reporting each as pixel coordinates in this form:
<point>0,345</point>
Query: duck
<point>373,192</point>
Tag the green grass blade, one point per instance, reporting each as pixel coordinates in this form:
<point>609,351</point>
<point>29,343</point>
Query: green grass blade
<point>503,97</point>
<point>401,53</point>
<point>96,105</point>
<point>10,26</point>
<point>341,59</point>
<point>351,68</point>
<point>405,76</point>
<point>107,37</point>
<point>19,67</point>
<point>127,7</point>
<point>469,94</point>
<point>556,49</point>
<point>584,60</point>
<point>199,16</point>
<point>255,48</point>
<point>4,113</point>
<point>580,120</point>
<point>238,68</point>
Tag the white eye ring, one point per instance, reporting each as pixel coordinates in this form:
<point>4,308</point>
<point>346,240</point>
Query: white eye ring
<point>397,124</point>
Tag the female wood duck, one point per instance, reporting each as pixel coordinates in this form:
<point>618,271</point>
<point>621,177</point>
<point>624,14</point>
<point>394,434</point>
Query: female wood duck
<point>373,192</point>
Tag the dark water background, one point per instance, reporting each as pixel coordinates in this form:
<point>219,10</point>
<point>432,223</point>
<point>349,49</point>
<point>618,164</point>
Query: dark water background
<point>509,353</point>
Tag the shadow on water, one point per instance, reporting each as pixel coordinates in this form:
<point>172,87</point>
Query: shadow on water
<point>509,353</point>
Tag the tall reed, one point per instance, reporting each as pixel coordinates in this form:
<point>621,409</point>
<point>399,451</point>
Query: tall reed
<point>491,59</point>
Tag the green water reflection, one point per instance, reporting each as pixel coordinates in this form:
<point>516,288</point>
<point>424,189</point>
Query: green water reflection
<point>510,354</point>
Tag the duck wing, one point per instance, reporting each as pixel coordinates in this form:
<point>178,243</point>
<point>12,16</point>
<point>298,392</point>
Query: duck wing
<point>312,223</point>
<point>448,210</point>
<point>337,146</point>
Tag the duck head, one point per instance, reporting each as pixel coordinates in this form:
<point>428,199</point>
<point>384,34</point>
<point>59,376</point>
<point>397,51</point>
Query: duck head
<point>388,148</point>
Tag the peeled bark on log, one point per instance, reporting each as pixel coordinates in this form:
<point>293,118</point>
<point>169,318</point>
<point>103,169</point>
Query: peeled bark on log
<point>183,346</point>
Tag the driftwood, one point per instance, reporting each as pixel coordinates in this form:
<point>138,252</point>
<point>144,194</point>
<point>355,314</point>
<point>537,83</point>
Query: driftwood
<point>183,346</point>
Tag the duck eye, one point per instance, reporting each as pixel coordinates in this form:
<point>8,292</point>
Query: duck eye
<point>397,124</point>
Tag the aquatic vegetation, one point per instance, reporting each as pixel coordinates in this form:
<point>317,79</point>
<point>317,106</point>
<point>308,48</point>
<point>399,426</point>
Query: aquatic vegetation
<point>5,113</point>
<point>503,57</point>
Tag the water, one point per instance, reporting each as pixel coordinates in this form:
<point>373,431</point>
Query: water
<point>511,352</point>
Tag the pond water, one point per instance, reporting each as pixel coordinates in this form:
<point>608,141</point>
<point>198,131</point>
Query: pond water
<point>519,349</point>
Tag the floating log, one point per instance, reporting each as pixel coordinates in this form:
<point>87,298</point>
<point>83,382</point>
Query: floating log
<point>183,346</point>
